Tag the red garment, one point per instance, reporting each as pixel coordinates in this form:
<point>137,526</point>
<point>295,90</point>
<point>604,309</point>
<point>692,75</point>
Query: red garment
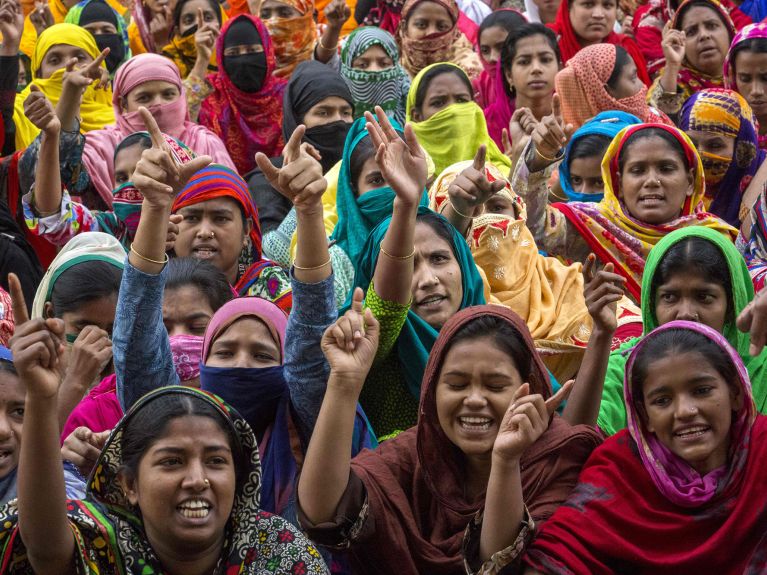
<point>617,521</point>
<point>98,411</point>
<point>569,44</point>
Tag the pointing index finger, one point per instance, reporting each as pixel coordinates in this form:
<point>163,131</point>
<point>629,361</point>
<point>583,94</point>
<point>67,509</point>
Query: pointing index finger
<point>553,403</point>
<point>479,158</point>
<point>293,148</point>
<point>199,18</point>
<point>158,141</point>
<point>18,303</point>
<point>556,109</point>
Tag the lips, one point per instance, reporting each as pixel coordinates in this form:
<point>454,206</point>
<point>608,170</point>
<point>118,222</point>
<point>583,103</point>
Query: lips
<point>432,301</point>
<point>5,453</point>
<point>651,200</point>
<point>194,508</point>
<point>475,423</point>
<point>707,51</point>
<point>537,84</point>
<point>692,432</point>
<point>204,251</point>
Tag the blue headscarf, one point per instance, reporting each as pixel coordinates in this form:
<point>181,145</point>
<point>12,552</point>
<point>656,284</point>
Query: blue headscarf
<point>606,124</point>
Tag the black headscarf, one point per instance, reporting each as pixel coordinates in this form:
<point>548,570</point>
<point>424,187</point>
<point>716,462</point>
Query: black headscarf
<point>311,83</point>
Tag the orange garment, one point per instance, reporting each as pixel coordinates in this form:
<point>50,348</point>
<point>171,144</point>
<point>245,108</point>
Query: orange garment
<point>351,23</point>
<point>134,39</point>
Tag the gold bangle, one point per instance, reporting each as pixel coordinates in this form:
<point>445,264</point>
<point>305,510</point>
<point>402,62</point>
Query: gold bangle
<point>452,205</point>
<point>146,259</point>
<point>541,156</point>
<point>392,256</point>
<point>321,45</point>
<point>308,269</point>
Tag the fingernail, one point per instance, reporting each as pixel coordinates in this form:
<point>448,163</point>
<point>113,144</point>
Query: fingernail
<point>357,333</point>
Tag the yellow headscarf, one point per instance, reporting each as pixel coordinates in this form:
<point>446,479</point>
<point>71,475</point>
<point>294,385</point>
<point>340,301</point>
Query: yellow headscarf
<point>455,133</point>
<point>96,108</point>
<point>183,50</point>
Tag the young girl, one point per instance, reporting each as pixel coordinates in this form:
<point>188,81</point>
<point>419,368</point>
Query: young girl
<point>12,396</point>
<point>190,20</point>
<point>679,485</point>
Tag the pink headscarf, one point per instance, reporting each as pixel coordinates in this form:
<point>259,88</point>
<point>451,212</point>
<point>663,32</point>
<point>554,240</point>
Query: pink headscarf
<point>272,316</point>
<point>500,109</point>
<point>172,118</point>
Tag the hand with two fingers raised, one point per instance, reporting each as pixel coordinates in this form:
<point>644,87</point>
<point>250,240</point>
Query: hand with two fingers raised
<point>521,127</point>
<point>602,291</point>
<point>78,78</point>
<point>471,188</point>
<point>41,17</point>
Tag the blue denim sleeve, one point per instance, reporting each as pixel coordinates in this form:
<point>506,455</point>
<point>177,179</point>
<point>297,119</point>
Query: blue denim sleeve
<point>140,344</point>
<point>306,370</point>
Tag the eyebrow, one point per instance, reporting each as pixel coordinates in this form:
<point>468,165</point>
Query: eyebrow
<point>174,450</point>
<point>190,317</point>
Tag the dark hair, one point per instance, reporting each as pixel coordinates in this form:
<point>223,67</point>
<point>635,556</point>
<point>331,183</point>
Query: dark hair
<point>83,283</point>
<point>699,256</point>
<point>702,4</point>
<point>504,336</point>
<point>509,20</point>
<point>149,424</point>
<point>429,77</point>
<point>652,132</point>
<point>201,274</point>
<point>676,341</point>
<point>752,45</point>
<point>439,226</point>
<point>361,154</point>
<point>622,59</point>
<point>136,139</point>
<point>180,6</point>
<point>509,50</point>
<point>589,146</point>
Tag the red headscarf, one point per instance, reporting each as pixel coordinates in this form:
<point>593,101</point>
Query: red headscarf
<point>569,44</point>
<point>247,123</point>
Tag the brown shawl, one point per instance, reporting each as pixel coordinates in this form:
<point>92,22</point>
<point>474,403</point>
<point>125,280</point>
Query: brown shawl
<point>415,482</point>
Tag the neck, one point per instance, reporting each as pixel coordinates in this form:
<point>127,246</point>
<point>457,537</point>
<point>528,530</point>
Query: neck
<point>478,468</point>
<point>231,274</point>
<point>185,561</point>
<point>547,17</point>
<point>762,125</point>
<point>540,107</point>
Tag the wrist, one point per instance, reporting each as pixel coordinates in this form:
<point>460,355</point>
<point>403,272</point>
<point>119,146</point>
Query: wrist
<point>9,50</point>
<point>346,386</point>
<point>402,204</point>
<point>156,206</point>
<point>504,462</point>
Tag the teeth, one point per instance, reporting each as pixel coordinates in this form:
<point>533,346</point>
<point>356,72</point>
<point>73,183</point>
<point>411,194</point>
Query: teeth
<point>692,432</point>
<point>476,423</point>
<point>194,513</point>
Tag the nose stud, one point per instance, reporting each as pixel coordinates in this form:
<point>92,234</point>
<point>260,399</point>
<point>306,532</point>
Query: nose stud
<point>206,481</point>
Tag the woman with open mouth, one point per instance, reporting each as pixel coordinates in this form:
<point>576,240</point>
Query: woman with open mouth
<point>687,470</point>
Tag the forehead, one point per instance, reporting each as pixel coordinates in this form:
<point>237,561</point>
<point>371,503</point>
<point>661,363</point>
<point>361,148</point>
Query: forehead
<point>446,83</point>
<point>427,238</point>
<point>698,14</point>
<point>331,102</point>
<point>63,49</point>
<point>428,9</point>
<point>246,330</point>
<point>650,146</point>
<point>746,58</point>
<point>677,371</point>
<point>533,45</point>
<point>193,5</point>
<point>151,87</point>
<point>214,205</point>
<point>128,157</point>
<point>11,388</point>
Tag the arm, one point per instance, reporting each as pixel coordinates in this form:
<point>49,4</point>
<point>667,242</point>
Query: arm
<point>39,110</point>
<point>205,42</point>
<point>76,81</point>
<point>664,93</point>
<point>11,26</point>
<point>755,188</point>
<point>337,13</point>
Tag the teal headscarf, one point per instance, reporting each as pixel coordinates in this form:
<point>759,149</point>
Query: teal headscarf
<point>117,43</point>
<point>417,337</point>
<point>358,215</point>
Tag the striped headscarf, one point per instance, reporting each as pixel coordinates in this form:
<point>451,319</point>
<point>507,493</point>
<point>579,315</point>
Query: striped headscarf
<point>386,88</point>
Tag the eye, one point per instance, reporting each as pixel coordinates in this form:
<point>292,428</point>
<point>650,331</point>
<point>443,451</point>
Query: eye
<point>121,178</point>
<point>661,401</point>
<point>223,353</point>
<point>437,102</point>
<point>704,389</point>
<point>485,49</point>
<point>523,61</point>
<point>218,460</point>
<point>285,13</point>
<point>190,220</point>
<point>18,412</point>
<point>576,180</point>
<point>707,298</point>
<point>222,219</point>
<point>667,297</point>
<point>171,462</point>
<point>462,99</point>
<point>439,258</point>
<point>456,385</point>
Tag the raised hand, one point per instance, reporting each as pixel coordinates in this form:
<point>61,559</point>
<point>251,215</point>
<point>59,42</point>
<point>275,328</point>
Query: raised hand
<point>350,344</point>
<point>526,420</point>
<point>673,45</point>
<point>39,110</point>
<point>337,13</point>
<point>41,17</point>
<point>205,38</point>
<point>173,229</point>
<point>471,188</point>
<point>91,353</point>
<point>158,176</point>
<point>603,291</point>
<point>521,127</point>
<point>753,320</point>
<point>18,304</point>
<point>78,78</point>
<point>551,133</point>
<point>83,447</point>
<point>300,179</point>
<point>160,25</point>
<point>402,163</point>
<point>11,27</point>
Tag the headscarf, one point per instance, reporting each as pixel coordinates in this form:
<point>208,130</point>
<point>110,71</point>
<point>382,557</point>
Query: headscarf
<point>172,118</point>
<point>755,251</point>
<point>385,88</point>
<point>727,114</point>
<point>294,38</point>
<point>614,235</point>
<point>417,337</point>
<point>748,33</point>
<point>89,11</point>
<point>246,122</point>
<point>612,413</point>
<point>569,45</point>
<point>110,533</point>
<point>416,482</point>
<point>546,294</point>
<point>183,49</point>
<point>454,133</point>
<point>85,247</point>
<point>95,112</point>
<point>650,512</point>
<point>141,16</point>
<point>581,86</point>
<point>606,124</point>
<point>311,83</point>
<point>486,86</point>
<point>449,46</point>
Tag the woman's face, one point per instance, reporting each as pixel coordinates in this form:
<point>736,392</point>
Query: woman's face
<point>180,510</point>
<point>437,281</point>
<point>593,20</point>
<point>690,296</point>
<point>547,10</point>
<point>628,83</point>
<point>186,311</point>
<point>491,43</point>
<point>57,57</point>
<point>273,10</point>
<point>586,175</point>
<point>214,230</point>
<point>428,18</point>
<point>751,81</point>
<point>98,28</point>
<point>243,49</point>
<point>152,93</point>
<point>443,91</point>
<point>12,397</point>
<point>157,6</point>
<point>374,59</point>
<point>188,17</point>
<point>475,388</point>
<point>99,312</point>
<point>329,110</point>
<point>533,69</point>
<point>125,163</point>
<point>712,143</point>
<point>247,343</point>
<point>706,40</point>
<point>370,177</point>
<point>689,408</point>
<point>501,205</point>
<point>654,181</point>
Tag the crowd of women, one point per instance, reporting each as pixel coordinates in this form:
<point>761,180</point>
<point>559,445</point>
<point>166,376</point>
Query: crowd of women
<point>389,287</point>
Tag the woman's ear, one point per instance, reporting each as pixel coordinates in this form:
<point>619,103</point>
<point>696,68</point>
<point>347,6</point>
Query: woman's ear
<point>691,182</point>
<point>246,236</point>
<point>736,398</point>
<point>416,115</point>
<point>128,486</point>
<point>48,310</point>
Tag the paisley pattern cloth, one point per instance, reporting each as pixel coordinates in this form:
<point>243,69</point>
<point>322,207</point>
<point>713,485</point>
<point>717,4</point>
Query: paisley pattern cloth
<point>109,532</point>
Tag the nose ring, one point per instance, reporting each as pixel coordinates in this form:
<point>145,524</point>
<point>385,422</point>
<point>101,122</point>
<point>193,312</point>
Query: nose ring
<point>206,481</point>
<point>212,235</point>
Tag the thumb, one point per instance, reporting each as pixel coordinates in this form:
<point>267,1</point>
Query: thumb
<point>569,131</point>
<point>505,141</point>
<point>267,167</point>
<point>193,166</point>
<point>522,391</point>
<point>497,186</point>
<point>372,327</point>
<point>99,439</point>
<point>553,403</point>
<point>357,298</point>
<point>34,88</point>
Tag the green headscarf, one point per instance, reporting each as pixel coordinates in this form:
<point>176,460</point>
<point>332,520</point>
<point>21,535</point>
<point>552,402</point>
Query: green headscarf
<point>612,411</point>
<point>358,215</point>
<point>455,133</point>
<point>417,337</point>
<point>113,60</point>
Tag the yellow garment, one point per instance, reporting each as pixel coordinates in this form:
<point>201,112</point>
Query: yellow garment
<point>96,107</point>
<point>544,292</point>
<point>134,39</point>
<point>183,50</point>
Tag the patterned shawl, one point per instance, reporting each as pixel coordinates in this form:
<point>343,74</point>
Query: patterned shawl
<point>727,114</point>
<point>247,123</point>
<point>385,88</point>
<point>614,235</point>
<point>756,249</point>
<point>109,532</point>
<point>294,39</point>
